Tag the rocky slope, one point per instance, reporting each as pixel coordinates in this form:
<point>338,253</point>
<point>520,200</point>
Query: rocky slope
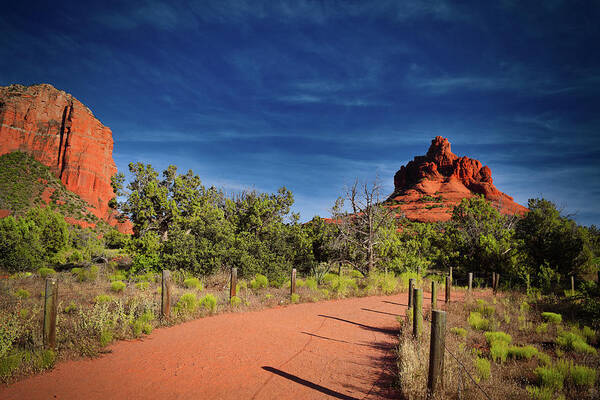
<point>63,134</point>
<point>427,188</point>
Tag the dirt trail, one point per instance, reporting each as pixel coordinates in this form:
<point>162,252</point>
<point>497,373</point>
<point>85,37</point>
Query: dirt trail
<point>336,349</point>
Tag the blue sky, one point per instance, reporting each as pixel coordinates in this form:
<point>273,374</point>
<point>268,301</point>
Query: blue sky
<point>313,94</point>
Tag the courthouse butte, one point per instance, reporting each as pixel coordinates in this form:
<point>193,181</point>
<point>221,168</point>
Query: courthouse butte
<point>427,188</point>
<point>60,132</point>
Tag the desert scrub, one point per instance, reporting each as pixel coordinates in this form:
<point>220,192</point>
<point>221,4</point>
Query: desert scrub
<point>142,324</point>
<point>260,282</point>
<point>492,337</point>
<point>484,309</point>
<point>117,286</point>
<point>311,283</point>
<point>341,285</point>
<point>582,376</point>
<point>9,332</point>
<point>412,368</point>
<point>461,332</point>
<point>483,368</point>
<point>106,337</point>
<point>542,393</point>
<point>235,301</point>
<point>572,341</point>
<point>209,302</point>
<point>525,352</point>
<point>22,294</point>
<point>142,286</point>
<point>542,328</point>
<point>187,303</point>
<point>193,283</point>
<point>45,272</point>
<point>476,321</point>
<point>499,351</point>
<point>103,298</point>
<point>550,377</point>
<point>294,298</point>
<point>387,283</point>
<point>552,317</point>
<point>72,307</point>
<point>117,277</point>
<point>241,285</point>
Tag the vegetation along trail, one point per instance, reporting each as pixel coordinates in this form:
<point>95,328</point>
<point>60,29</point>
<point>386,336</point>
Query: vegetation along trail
<point>342,349</point>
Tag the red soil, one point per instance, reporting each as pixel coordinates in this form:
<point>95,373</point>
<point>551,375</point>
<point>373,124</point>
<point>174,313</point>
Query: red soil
<point>337,349</point>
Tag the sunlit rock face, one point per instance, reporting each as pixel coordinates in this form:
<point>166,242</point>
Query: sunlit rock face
<point>63,134</point>
<point>427,188</point>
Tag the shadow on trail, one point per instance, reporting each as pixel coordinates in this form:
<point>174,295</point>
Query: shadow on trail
<point>309,384</point>
<point>386,331</point>
<point>381,312</point>
<point>396,304</point>
<point>374,346</point>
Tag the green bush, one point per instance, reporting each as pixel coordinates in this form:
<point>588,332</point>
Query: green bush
<point>235,301</point>
<point>311,283</point>
<point>542,328</point>
<point>45,360</point>
<point>342,285</point>
<point>588,333</point>
<point>193,283</point>
<point>44,272</point>
<point>541,393</point>
<point>552,317</point>
<point>9,364</point>
<point>476,321</point>
<point>187,302</point>
<point>483,368</point>
<point>550,377</point>
<point>583,376</point>
<point>103,299</point>
<point>492,337</point>
<point>459,332</point>
<point>106,337</point>
<point>117,277</point>
<point>295,298</point>
<point>117,286</point>
<point>260,282</point>
<point>143,324</point>
<point>72,307</point>
<point>484,309</point>
<point>142,285</point>
<point>525,352</point>
<point>499,351</point>
<point>209,302</point>
<point>572,341</point>
<point>22,294</point>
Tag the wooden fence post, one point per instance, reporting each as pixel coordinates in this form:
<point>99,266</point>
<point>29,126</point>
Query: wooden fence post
<point>417,312</point>
<point>233,283</point>
<point>50,306</point>
<point>165,303</point>
<point>450,274</point>
<point>572,285</point>
<point>528,285</point>
<point>493,280</point>
<point>433,295</point>
<point>293,283</point>
<point>470,282</point>
<point>497,283</point>
<point>435,378</point>
<point>448,288</point>
<point>411,286</point>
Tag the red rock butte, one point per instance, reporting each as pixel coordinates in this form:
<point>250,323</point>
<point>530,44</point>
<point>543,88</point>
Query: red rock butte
<point>60,132</point>
<point>428,188</point>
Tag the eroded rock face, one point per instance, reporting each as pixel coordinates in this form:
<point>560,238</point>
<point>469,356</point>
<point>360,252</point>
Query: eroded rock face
<point>60,132</point>
<point>427,188</point>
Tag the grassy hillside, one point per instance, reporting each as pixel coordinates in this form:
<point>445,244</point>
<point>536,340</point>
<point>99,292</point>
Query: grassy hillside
<point>25,182</point>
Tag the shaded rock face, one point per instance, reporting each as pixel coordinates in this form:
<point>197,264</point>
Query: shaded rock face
<point>60,132</point>
<point>427,188</point>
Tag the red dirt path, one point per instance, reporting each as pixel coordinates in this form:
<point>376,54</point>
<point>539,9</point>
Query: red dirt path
<point>336,349</point>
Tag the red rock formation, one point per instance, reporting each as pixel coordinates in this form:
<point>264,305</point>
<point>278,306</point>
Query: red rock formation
<point>427,188</point>
<point>62,133</point>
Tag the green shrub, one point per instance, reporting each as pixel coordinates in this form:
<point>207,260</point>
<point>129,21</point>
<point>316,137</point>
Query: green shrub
<point>142,285</point>
<point>583,376</point>
<point>241,285</point>
<point>209,302</point>
<point>550,377</point>
<point>572,341</point>
<point>260,282</point>
<point>544,358</point>
<point>295,298</point>
<point>542,328</point>
<point>24,313</point>
<point>187,302</point>
<point>299,283</point>
<point>103,298</point>
<point>106,337</point>
<point>552,317</point>
<point>193,283</point>
<point>72,307</point>
<point>117,286</point>
<point>45,359</point>
<point>588,333</point>
<point>22,294</point>
<point>329,277</point>
<point>525,352</point>
<point>483,368</point>
<point>45,272</point>
<point>484,309</point>
<point>492,337</point>
<point>143,323</point>
<point>499,351</point>
<point>311,283</point>
<point>541,393</point>
<point>342,285</point>
<point>356,274</point>
<point>476,321</point>
<point>235,301</point>
<point>459,332</point>
<point>8,365</point>
<point>117,277</point>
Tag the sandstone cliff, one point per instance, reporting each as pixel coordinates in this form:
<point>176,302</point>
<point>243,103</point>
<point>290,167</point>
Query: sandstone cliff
<point>427,188</point>
<point>63,134</point>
